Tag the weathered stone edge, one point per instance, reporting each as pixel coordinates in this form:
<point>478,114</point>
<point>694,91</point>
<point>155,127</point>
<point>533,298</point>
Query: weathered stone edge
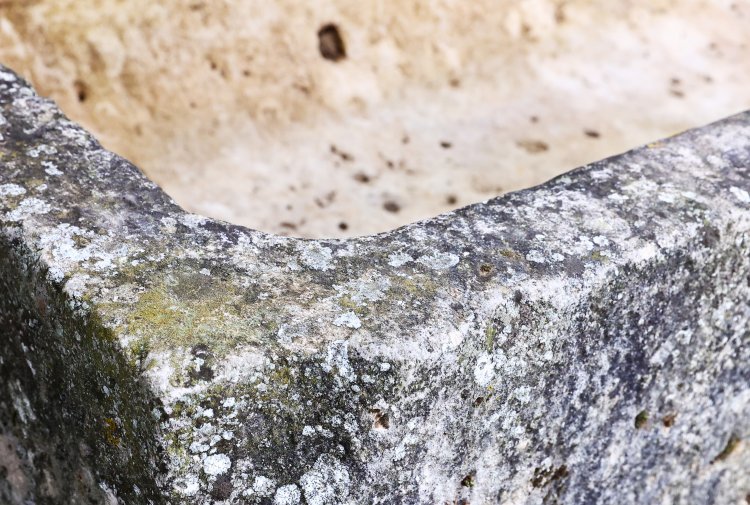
<point>463,266</point>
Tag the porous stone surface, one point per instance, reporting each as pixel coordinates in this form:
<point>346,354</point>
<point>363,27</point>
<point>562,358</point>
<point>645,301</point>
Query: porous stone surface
<point>584,341</point>
<point>434,104</point>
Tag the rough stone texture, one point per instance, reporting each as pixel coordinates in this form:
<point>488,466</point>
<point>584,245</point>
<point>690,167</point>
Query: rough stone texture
<point>585,341</point>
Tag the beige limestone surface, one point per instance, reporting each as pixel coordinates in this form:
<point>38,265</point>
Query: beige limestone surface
<point>231,107</point>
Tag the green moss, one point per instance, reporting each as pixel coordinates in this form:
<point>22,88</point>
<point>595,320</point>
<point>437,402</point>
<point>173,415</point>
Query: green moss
<point>139,352</point>
<point>35,182</point>
<point>281,376</point>
<point>190,313</point>
<point>346,302</point>
<point>511,254</point>
<point>416,285</point>
<point>641,419</point>
<point>153,311</point>
<point>110,432</point>
<point>489,337</point>
<point>598,256</point>
<point>468,481</point>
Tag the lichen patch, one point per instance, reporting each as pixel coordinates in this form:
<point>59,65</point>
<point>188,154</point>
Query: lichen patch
<point>28,207</point>
<point>348,319</point>
<point>216,464</point>
<point>316,256</point>
<point>439,260</point>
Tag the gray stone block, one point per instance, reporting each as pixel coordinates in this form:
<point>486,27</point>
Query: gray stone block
<point>584,341</point>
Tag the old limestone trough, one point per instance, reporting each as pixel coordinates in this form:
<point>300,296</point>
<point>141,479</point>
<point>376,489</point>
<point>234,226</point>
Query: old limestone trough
<point>585,341</point>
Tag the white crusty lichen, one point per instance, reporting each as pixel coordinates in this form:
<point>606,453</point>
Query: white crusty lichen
<point>192,220</point>
<point>326,483</point>
<point>189,485</point>
<point>11,190</point>
<point>535,256</point>
<point>51,169</point>
<point>741,195</point>
<point>216,464</point>
<point>399,259</point>
<point>348,319</point>
<point>28,207</point>
<point>287,495</point>
<point>337,358</point>
<point>484,370</point>
<point>316,256</point>
<point>263,486</point>
<point>362,291</point>
<point>439,260</point>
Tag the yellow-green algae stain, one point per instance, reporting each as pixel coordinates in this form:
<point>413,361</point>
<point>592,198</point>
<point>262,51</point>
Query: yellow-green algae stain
<point>489,337</point>
<point>598,256</point>
<point>167,320</point>
<point>192,308</point>
<point>416,285</point>
<point>512,255</point>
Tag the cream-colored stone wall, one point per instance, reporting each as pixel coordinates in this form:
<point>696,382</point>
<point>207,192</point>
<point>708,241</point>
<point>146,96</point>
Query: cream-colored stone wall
<point>230,106</point>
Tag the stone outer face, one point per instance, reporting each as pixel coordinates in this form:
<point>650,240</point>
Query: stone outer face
<point>585,341</point>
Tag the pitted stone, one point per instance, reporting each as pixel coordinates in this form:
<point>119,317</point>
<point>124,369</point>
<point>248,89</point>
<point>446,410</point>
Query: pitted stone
<point>584,341</point>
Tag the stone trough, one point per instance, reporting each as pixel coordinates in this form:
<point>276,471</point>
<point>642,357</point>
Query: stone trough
<point>583,341</point>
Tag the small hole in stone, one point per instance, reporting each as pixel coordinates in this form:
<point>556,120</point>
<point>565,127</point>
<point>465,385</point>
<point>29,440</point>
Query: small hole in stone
<point>592,134</point>
<point>363,178</point>
<point>534,119</point>
<point>533,146</point>
<point>343,226</point>
<point>560,14</point>
<point>517,297</point>
<point>82,90</point>
<point>200,350</point>
<point>641,419</point>
<point>479,401</point>
<point>485,269</point>
<point>468,481</point>
<point>341,154</point>
<point>330,43</point>
<point>445,144</point>
<point>451,199</point>
<point>380,420</point>
<point>391,206</point>
<point>668,420</point>
<point>546,476</point>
